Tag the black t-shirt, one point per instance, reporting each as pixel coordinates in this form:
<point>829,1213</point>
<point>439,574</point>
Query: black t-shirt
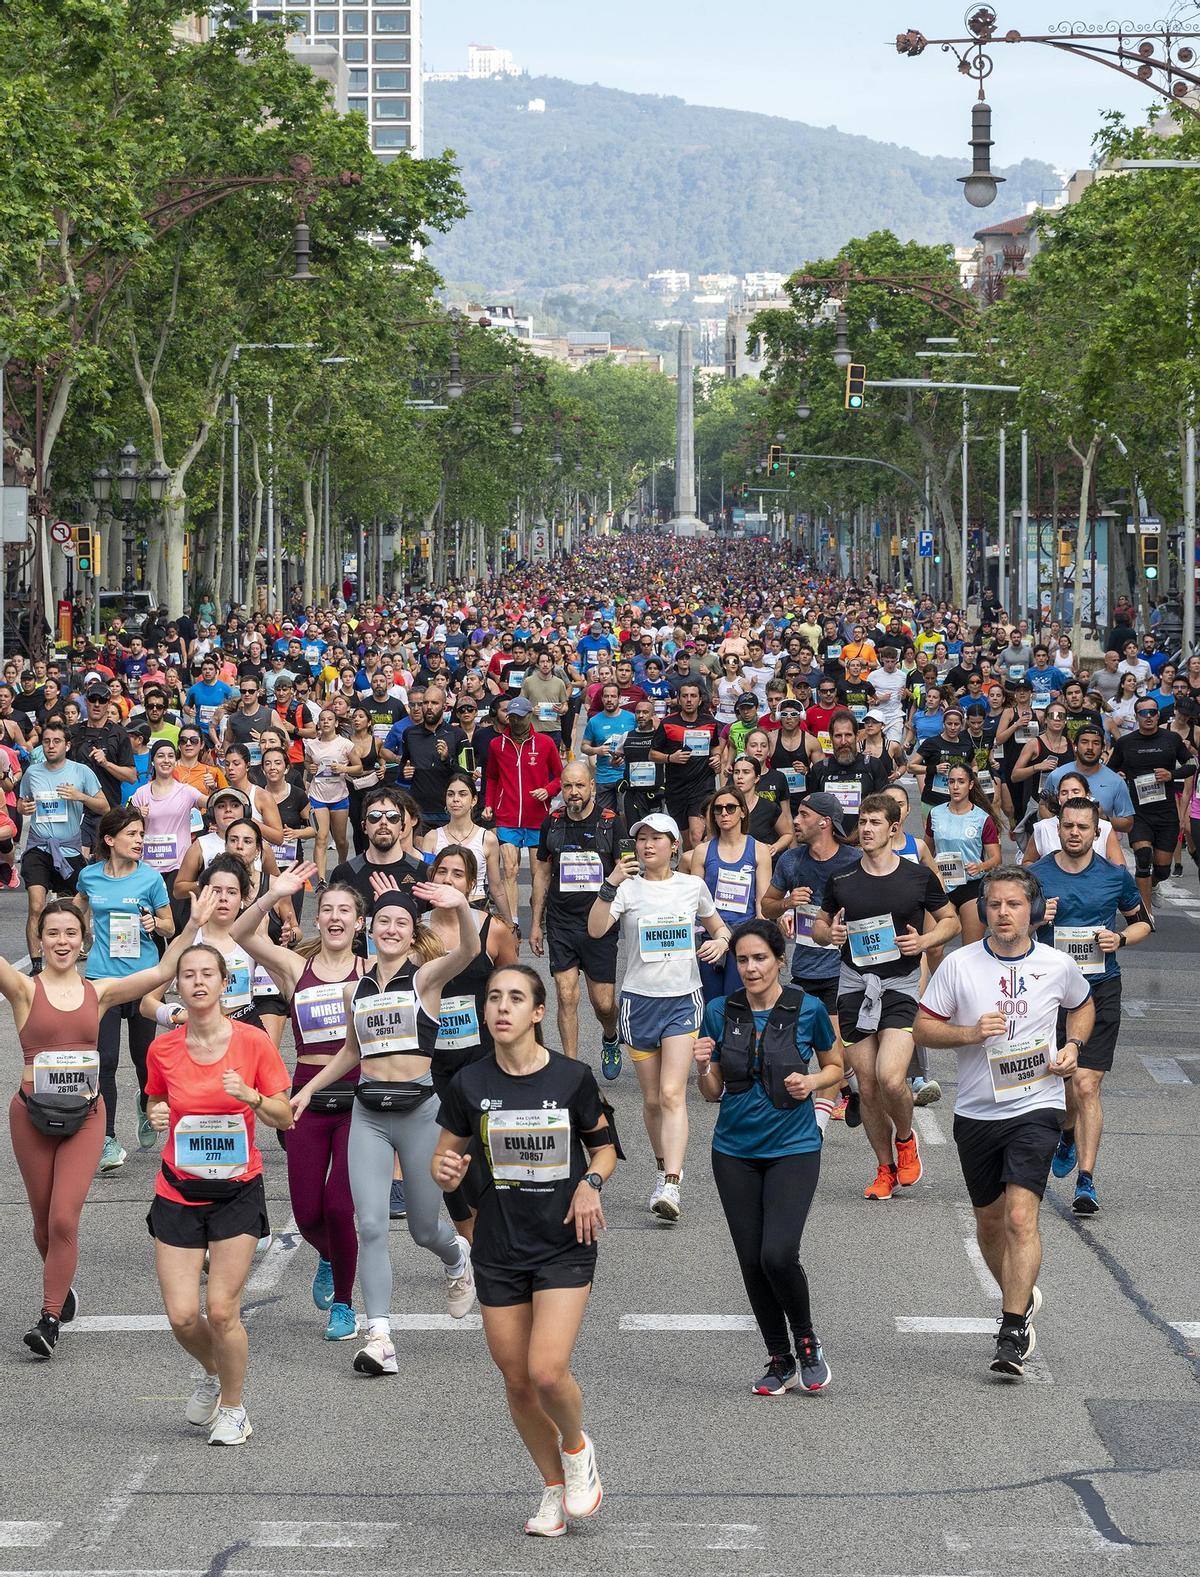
<point>357,873</point>
<point>870,773</point>
<point>1135,756</point>
<point>672,734</point>
<point>591,836</point>
<point>115,743</point>
<point>939,754</point>
<point>896,901</point>
<point>526,1141</point>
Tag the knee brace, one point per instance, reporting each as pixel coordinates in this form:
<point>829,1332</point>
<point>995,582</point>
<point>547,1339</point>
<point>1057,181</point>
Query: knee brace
<point>1162,873</point>
<point>1143,861</point>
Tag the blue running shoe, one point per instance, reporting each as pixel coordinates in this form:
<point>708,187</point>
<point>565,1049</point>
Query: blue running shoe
<point>323,1285</point>
<point>397,1204</point>
<point>343,1323</point>
<point>1065,1158</point>
<point>1085,1202</point>
<point>610,1058</point>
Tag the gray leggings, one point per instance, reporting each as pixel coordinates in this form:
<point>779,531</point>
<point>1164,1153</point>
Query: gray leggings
<point>375,1137</point>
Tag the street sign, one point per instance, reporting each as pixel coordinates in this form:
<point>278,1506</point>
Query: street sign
<point>925,544</point>
<point>68,549</point>
<point>60,532</point>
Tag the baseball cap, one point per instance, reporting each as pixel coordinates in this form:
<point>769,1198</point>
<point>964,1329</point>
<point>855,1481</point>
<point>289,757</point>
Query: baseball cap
<point>657,821</point>
<point>749,699</point>
<point>97,692</point>
<point>1089,728</point>
<point>519,707</point>
<point>825,805</point>
<point>229,793</point>
<point>874,715</point>
<point>793,708</point>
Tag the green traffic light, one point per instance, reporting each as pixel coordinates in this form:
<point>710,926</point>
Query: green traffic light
<point>856,402</point>
<point>1151,572</point>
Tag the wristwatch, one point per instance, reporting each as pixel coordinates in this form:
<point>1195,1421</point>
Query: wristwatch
<point>595,1180</point>
<point>1122,939</point>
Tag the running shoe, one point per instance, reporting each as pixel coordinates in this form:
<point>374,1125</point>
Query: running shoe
<point>377,1357</point>
<point>926,1092</point>
<point>205,1401</point>
<point>232,1427</point>
<point>548,1521</point>
<point>660,1182</point>
<point>70,1307</point>
<point>460,1290</point>
<point>14,881</point>
<point>908,1161</point>
<point>1013,1347</point>
<point>43,1337</point>
<point>667,1205</point>
<point>1065,1156</point>
<point>853,1110</point>
<point>583,1491</point>
<point>322,1288</point>
<point>397,1205</point>
<point>781,1376</point>
<point>839,1109</point>
<point>815,1373</point>
<point>343,1325</point>
<point>1085,1202</point>
<point>147,1136</point>
<point>1035,1304</point>
<point>610,1058</point>
<point>884,1185</point>
<point>112,1156</point>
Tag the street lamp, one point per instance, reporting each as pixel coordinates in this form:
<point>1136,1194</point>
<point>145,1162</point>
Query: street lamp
<point>129,479</point>
<point>842,356</point>
<point>804,404</point>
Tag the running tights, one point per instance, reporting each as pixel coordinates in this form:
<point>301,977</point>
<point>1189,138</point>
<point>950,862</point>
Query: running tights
<point>57,1174</point>
<point>141,1033</point>
<point>766,1205</point>
<point>319,1185</point>
<point>375,1139</point>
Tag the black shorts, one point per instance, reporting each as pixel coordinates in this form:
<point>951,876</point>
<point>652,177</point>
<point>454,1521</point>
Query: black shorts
<point>501,1286</point>
<point>272,1006</point>
<point>37,870</point>
<point>684,803</point>
<point>825,991</point>
<point>1160,833</point>
<point>896,1011</point>
<point>1017,1150</point>
<point>1106,998</point>
<point>968,893</point>
<point>572,948</point>
<point>196,1226</point>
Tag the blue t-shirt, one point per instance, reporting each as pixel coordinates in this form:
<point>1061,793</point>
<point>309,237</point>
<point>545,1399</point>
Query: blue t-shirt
<point>601,728</point>
<point>797,868</point>
<point>1043,680</point>
<point>1090,897</point>
<point>208,699</point>
<point>1106,787</point>
<point>748,1125</point>
<point>123,896</point>
<point>593,649</point>
<point>54,816</point>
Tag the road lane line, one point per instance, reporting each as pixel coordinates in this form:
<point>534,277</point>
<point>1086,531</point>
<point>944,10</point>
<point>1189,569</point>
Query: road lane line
<point>943,1325</point>
<point>116,1322</point>
<point>927,1126</point>
<point>1164,1070</point>
<point>1187,1328</point>
<point>322,1535</point>
<point>26,1535</point>
<point>110,1514</point>
<point>688,1322</point>
<point>435,1322</point>
<point>979,1265</point>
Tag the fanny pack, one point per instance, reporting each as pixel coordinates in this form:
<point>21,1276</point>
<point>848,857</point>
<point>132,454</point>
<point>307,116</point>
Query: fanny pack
<point>378,1095</point>
<point>204,1190</point>
<point>58,1116</point>
<point>332,1100</point>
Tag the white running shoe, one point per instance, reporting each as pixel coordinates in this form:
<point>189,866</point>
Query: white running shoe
<point>660,1182</point>
<point>460,1290</point>
<point>583,1492</point>
<point>548,1521</point>
<point>205,1402</point>
<point>377,1357</point>
<point>232,1427</point>
<point>666,1206</point>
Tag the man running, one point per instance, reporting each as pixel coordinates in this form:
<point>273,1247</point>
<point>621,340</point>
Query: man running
<point>53,796</point>
<point>1147,760</point>
<point>687,741</point>
<point>521,778</point>
<point>996,1003</point>
<point>848,775</point>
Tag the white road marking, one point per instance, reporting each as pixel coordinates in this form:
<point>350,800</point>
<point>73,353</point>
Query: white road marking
<point>927,1126</point>
<point>1164,1070</point>
<point>274,1262</point>
<point>983,1275</point>
<point>1131,1007</point>
<point>117,1322</point>
<point>322,1535</point>
<point>1187,1328</point>
<point>943,1325</point>
<point>110,1514</point>
<point>690,1535</point>
<point>436,1322</point>
<point>688,1322</point>
<point>26,1535</point>
<point>1039,1538</point>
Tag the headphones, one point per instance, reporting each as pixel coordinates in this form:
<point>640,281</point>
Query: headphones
<point>1033,888</point>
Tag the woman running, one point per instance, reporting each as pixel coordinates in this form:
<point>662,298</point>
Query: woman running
<point>532,1123</point>
<point>313,978</point>
<point>57,1140</point>
<point>965,843</point>
<point>262,806</point>
<point>225,806</point>
<point>463,831</point>
<point>1046,840</point>
<point>736,869</point>
<point>327,760</point>
<point>754,1056</point>
<point>209,1081</point>
<point>244,841</point>
<point>393,1013</point>
<point>769,820</point>
<point>362,738</point>
<point>167,805</point>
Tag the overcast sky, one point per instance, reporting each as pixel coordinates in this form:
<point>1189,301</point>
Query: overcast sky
<point>829,65</point>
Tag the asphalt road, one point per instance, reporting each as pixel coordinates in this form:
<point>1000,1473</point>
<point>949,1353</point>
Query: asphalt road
<point>915,1461</point>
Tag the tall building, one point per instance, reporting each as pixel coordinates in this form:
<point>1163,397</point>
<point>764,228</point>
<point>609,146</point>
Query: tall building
<point>380,41</point>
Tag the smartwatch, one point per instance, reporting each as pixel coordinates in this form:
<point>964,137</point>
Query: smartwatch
<point>594,1178</point>
<point>1122,939</point>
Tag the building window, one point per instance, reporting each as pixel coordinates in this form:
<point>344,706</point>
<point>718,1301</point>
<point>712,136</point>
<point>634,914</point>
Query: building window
<point>392,54</point>
<point>391,21</point>
<point>390,136</point>
<point>354,49</point>
<point>297,23</point>
<point>358,81</point>
<point>356,106</point>
<point>391,109</point>
<point>354,22</point>
<point>391,81</point>
<point>327,22</point>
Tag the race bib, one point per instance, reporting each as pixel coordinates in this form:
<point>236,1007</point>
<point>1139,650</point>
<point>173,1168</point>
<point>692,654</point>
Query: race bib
<point>795,780</point>
<point>161,851</point>
<point>458,1024</point>
<point>529,1147</point>
<point>941,783</point>
<point>832,653</point>
<point>1018,1066</point>
<point>805,916</point>
<point>515,678</point>
<point>952,870</point>
<point>858,713</point>
<point>216,1145</point>
<point>380,731</point>
<point>664,936</point>
<point>847,793</point>
<point>987,785</point>
<point>261,983</point>
<point>547,712</point>
<point>873,941</point>
<point>124,934</point>
<point>1041,700</point>
<point>1149,790</point>
<point>733,890</point>
<point>826,742</point>
<point>642,774</point>
<point>66,1072</point>
<point>51,808</point>
<point>205,714</point>
<point>579,871</point>
<point>1079,943</point>
<point>615,743</point>
<point>287,851</point>
<point>697,741</point>
<point>328,770</point>
<point>1016,671</point>
<point>320,1014</point>
<point>196,820</point>
<point>237,993</point>
<point>386,1024</point>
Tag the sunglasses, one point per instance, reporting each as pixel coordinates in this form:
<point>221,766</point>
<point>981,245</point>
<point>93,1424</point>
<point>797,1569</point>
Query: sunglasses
<point>728,809</point>
<point>391,816</point>
<point>1145,711</point>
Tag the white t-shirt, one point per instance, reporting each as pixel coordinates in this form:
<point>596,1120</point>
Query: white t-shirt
<point>657,926</point>
<point>887,687</point>
<point>1047,840</point>
<point>1005,1077</point>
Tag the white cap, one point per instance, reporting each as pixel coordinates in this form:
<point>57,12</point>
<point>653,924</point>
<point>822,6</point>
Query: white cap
<point>657,821</point>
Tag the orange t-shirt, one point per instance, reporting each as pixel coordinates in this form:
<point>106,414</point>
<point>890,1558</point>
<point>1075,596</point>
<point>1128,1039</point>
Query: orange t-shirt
<point>193,1089</point>
<point>195,775</point>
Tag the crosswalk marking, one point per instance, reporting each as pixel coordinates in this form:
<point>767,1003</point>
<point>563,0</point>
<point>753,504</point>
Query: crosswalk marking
<point>1187,1328</point>
<point>26,1535</point>
<point>688,1322</point>
<point>1164,1070</point>
<point>928,1128</point>
<point>322,1535</point>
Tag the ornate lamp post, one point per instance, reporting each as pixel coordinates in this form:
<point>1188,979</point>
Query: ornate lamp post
<point>129,480</point>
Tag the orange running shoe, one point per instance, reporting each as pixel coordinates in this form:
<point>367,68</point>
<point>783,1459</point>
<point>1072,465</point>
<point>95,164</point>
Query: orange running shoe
<point>908,1161</point>
<point>839,1111</point>
<point>884,1185</point>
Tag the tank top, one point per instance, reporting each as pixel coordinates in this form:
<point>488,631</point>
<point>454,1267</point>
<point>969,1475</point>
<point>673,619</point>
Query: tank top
<point>910,851</point>
<point>318,1014</point>
<point>237,999</point>
<point>732,883</point>
<point>957,838</point>
<point>392,1022</point>
<point>792,761</point>
<point>463,1036</point>
<point>51,1029</point>
<point>442,839</point>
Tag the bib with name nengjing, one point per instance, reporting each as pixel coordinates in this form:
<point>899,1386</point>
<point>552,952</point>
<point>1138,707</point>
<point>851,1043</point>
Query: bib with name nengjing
<point>458,1024</point>
<point>66,1072</point>
<point>873,941</point>
<point>580,871</point>
<point>215,1145</point>
<point>386,1024</point>
<point>529,1146</point>
<point>1018,1066</point>
<point>321,1014</point>
<point>664,936</point>
<point>1079,943</point>
<point>951,869</point>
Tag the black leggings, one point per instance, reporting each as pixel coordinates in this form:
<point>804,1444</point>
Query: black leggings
<point>766,1205</point>
<point>141,1033</point>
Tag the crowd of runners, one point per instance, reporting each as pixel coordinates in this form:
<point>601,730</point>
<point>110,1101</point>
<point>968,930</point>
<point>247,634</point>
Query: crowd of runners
<point>795,836</point>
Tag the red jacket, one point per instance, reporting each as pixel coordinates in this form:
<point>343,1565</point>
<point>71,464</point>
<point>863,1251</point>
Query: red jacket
<point>514,772</point>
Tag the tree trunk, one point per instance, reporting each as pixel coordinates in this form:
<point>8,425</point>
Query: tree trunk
<point>1087,463</point>
<point>311,532</point>
<point>250,590</point>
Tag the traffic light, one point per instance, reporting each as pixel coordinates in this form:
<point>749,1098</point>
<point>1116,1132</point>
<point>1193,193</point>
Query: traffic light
<point>792,469</point>
<point>773,457</point>
<point>1150,547</point>
<point>856,386</point>
<point>1066,549</point>
<point>83,549</point>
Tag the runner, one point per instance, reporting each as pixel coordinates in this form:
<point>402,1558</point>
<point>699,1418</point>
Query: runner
<point>643,779</point>
<point>1148,759</point>
<point>328,760</point>
<point>1083,893</point>
<point>875,914</point>
<point>965,843</point>
<point>754,1058</point>
<point>464,832</point>
<point>1011,1064</point>
<point>736,869</point>
<point>604,737</point>
<point>847,774</point>
<point>536,1129</point>
<point>523,774</point>
<point>687,742</point>
<point>768,819</point>
<point>1045,840</point>
<point>661,998</point>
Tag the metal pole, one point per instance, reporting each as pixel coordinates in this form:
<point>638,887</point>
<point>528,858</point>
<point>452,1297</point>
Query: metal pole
<point>966,439</point>
<point>1189,541</point>
<point>3,363</point>
<point>270,581</point>
<point>236,510</point>
<point>1023,550</point>
<point>1002,585</point>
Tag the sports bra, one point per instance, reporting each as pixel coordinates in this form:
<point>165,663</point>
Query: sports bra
<point>48,1028</point>
<point>318,1012</point>
<point>392,1022</point>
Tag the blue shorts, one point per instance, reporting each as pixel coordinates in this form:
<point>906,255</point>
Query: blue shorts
<point>320,804</point>
<point>521,837</point>
<point>645,1022</point>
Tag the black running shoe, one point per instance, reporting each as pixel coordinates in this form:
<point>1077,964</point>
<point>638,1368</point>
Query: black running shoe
<point>70,1307</point>
<point>781,1376</point>
<point>1013,1346</point>
<point>43,1337</point>
<point>815,1373</point>
<point>853,1117</point>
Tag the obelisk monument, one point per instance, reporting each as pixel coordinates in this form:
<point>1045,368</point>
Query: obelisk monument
<point>685,522</point>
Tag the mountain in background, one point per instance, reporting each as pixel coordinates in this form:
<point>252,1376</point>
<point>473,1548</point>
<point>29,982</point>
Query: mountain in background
<point>604,186</point>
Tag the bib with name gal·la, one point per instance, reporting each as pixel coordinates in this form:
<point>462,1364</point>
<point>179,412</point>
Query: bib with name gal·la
<point>214,1145</point>
<point>386,1024</point>
<point>66,1072</point>
<point>529,1146</point>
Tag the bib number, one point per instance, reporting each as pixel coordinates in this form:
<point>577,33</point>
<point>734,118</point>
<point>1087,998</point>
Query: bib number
<point>547,712</point>
<point>529,1147</point>
<point>51,808</point>
<point>805,917</point>
<point>1149,790</point>
<point>579,871</point>
<point>795,780</point>
<point>216,1145</point>
<point>288,851</point>
<point>66,1072</point>
<point>161,851</point>
<point>848,795</point>
<point>386,1024</point>
<point>237,993</point>
<point>697,741</point>
<point>733,891</point>
<point>458,1024</point>
<point>1018,1066</point>
<point>665,936</point>
<point>952,870</point>
<point>1079,943</point>
<point>642,774</point>
<point>124,935</point>
<point>320,1015</point>
<point>873,941</point>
